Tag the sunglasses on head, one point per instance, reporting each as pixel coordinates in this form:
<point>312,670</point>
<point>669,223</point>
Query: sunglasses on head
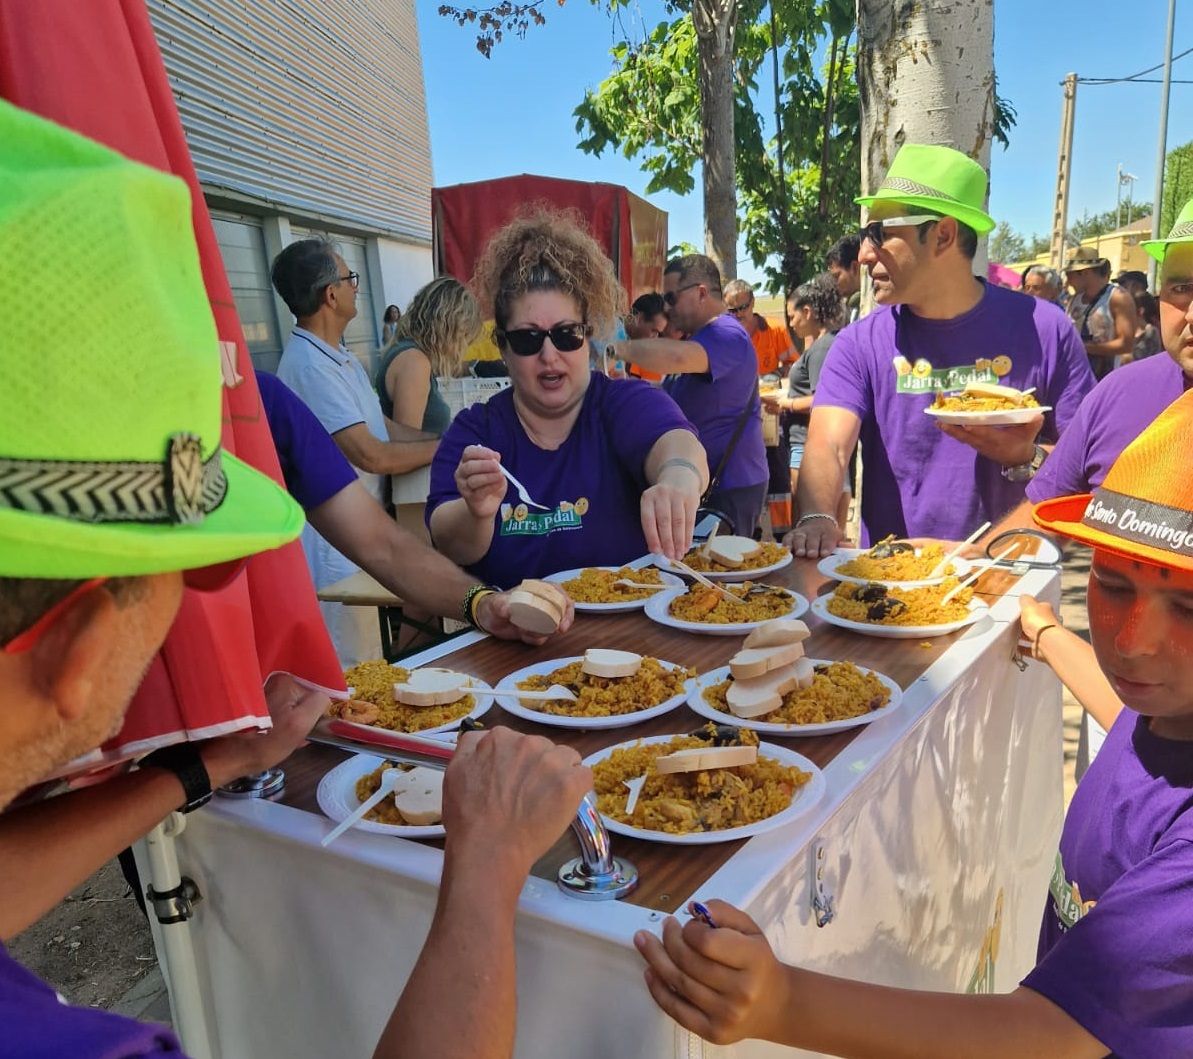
<point>875,231</point>
<point>527,341</point>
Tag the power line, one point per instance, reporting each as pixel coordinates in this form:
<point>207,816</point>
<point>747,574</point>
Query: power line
<point>1133,77</point>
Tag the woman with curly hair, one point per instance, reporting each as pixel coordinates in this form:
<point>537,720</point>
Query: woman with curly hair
<point>440,323</point>
<point>816,312</point>
<point>617,468</point>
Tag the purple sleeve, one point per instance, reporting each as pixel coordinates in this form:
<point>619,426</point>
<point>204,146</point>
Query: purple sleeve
<point>1063,473</point>
<point>1071,378</point>
<point>716,338</point>
<point>1123,971</point>
<point>635,416</point>
<point>843,379</point>
<point>466,429</point>
<point>312,464</point>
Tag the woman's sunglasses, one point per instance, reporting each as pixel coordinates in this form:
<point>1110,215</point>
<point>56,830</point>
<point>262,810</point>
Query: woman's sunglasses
<point>527,341</point>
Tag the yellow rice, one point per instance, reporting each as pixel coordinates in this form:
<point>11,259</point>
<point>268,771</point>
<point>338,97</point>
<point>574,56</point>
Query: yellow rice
<point>768,554</point>
<point>902,566</point>
<point>374,682</point>
<point>710,607</point>
<point>923,605</point>
<point>652,685</point>
<point>595,585</point>
<point>385,811</point>
<point>972,402</point>
<point>685,802</point>
<point>839,690</point>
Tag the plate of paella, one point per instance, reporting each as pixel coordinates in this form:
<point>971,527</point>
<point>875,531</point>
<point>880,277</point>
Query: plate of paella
<point>893,563</point>
<point>719,560</point>
<point>705,802</point>
<point>341,792</point>
<point>899,613</point>
<point>842,695</point>
<point>986,404</point>
<point>649,688</point>
<point>437,699</point>
<point>704,610</point>
<point>594,589</point>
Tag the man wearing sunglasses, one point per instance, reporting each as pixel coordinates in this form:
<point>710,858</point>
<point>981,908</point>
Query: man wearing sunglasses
<point>320,290</point>
<point>937,328</point>
<point>713,377</point>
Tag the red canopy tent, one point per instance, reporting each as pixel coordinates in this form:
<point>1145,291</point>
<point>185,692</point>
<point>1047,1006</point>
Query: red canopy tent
<point>96,68</point>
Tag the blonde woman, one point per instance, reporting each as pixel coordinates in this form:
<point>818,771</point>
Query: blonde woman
<point>439,324</point>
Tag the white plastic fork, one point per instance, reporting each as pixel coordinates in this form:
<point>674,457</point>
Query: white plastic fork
<point>520,489</point>
<point>389,780</point>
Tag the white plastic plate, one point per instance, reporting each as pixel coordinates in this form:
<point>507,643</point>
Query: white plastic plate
<point>977,611</point>
<point>657,610</point>
<point>669,581</point>
<point>830,563</point>
<point>336,795</point>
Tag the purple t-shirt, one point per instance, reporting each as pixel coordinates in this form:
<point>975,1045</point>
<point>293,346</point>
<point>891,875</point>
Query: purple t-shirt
<point>1116,945</point>
<point>593,483</point>
<point>714,402</point>
<point>1113,415</point>
<point>312,464</point>
<point>886,369</point>
<point>35,1024</point>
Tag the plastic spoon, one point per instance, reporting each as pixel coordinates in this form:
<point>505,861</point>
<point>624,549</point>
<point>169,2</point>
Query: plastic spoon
<point>389,780</point>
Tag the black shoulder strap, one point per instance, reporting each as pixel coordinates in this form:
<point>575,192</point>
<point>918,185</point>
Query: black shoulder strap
<point>741,425</point>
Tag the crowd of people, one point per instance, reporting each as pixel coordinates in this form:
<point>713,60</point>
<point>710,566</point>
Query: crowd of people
<point>614,466</point>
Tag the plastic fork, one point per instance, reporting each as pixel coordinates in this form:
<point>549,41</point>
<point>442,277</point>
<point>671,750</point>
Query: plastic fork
<point>389,780</point>
<point>520,489</point>
<point>555,691</point>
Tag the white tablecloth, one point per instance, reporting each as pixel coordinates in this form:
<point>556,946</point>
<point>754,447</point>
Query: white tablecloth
<point>939,831</point>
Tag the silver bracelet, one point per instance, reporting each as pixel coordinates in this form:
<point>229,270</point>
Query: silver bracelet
<point>679,461</point>
<point>815,515</point>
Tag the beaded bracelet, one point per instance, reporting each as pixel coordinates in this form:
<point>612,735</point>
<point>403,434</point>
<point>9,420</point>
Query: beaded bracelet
<point>472,597</point>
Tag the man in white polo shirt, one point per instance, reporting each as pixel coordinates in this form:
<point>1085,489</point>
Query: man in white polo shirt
<point>320,290</point>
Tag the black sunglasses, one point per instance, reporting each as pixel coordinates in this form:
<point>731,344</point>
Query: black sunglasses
<point>875,231</point>
<point>672,296</point>
<point>527,341</point>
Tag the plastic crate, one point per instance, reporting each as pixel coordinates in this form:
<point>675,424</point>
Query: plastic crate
<point>462,393</point>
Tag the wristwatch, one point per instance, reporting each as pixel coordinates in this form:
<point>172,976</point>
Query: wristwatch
<point>184,760</point>
<point>1025,472</point>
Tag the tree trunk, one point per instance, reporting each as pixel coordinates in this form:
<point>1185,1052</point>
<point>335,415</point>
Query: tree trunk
<point>715,22</point>
<point>925,75</point>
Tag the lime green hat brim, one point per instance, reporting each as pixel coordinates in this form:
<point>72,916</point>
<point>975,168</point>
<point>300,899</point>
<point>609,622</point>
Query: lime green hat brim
<point>978,220</point>
<point>1158,247</point>
<point>256,515</point>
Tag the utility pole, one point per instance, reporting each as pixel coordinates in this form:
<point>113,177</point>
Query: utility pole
<point>1064,168</point>
<point>1162,146</point>
<point>1129,179</point>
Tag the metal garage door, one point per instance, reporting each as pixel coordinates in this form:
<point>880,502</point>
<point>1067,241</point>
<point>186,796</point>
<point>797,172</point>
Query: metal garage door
<point>242,246</point>
<point>361,337</point>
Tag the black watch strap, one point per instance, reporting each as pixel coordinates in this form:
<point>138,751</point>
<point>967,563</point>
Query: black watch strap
<point>184,760</point>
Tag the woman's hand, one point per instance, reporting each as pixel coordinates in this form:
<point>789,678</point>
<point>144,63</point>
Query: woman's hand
<point>669,512</point>
<point>493,616</point>
<point>480,481</point>
<point>723,983</point>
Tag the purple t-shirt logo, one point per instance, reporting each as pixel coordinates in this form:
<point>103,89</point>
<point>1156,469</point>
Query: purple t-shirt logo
<point>1066,897</point>
<point>921,377</point>
<point>520,521</point>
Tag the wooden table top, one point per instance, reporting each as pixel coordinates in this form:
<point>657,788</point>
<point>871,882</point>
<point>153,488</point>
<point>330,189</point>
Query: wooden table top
<point>359,590</point>
<point>668,874</point>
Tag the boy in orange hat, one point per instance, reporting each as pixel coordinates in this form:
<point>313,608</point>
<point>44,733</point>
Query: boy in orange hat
<point>1114,971</point>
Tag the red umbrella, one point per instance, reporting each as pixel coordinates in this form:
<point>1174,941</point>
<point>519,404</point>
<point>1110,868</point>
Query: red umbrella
<point>96,68</point>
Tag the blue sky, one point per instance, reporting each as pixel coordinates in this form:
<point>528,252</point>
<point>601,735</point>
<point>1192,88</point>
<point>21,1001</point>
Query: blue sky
<point>513,113</point>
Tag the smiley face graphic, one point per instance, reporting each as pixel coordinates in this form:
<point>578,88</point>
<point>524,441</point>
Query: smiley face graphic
<point>520,513</point>
<point>582,506</point>
<point>922,369</point>
<point>1001,366</point>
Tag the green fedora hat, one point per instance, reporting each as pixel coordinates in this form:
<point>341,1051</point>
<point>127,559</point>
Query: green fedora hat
<point>1182,232</point>
<point>938,179</point>
<point>110,458</point>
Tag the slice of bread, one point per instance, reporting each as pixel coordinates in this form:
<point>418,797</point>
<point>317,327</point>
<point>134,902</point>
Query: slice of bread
<point>418,796</point>
<point>712,757</point>
<point>733,552</point>
<point>777,631</point>
<point>602,662</point>
<point>547,592</point>
<point>761,695</point>
<point>755,661</point>
<point>533,613</point>
<point>432,687</point>
<point>993,389</point>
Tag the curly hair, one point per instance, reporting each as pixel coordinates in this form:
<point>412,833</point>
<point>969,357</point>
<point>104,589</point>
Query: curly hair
<point>543,249</point>
<point>820,294</point>
<point>442,320</point>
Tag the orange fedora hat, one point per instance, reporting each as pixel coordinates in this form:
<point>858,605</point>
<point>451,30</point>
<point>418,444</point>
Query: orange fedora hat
<point>1144,508</point>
